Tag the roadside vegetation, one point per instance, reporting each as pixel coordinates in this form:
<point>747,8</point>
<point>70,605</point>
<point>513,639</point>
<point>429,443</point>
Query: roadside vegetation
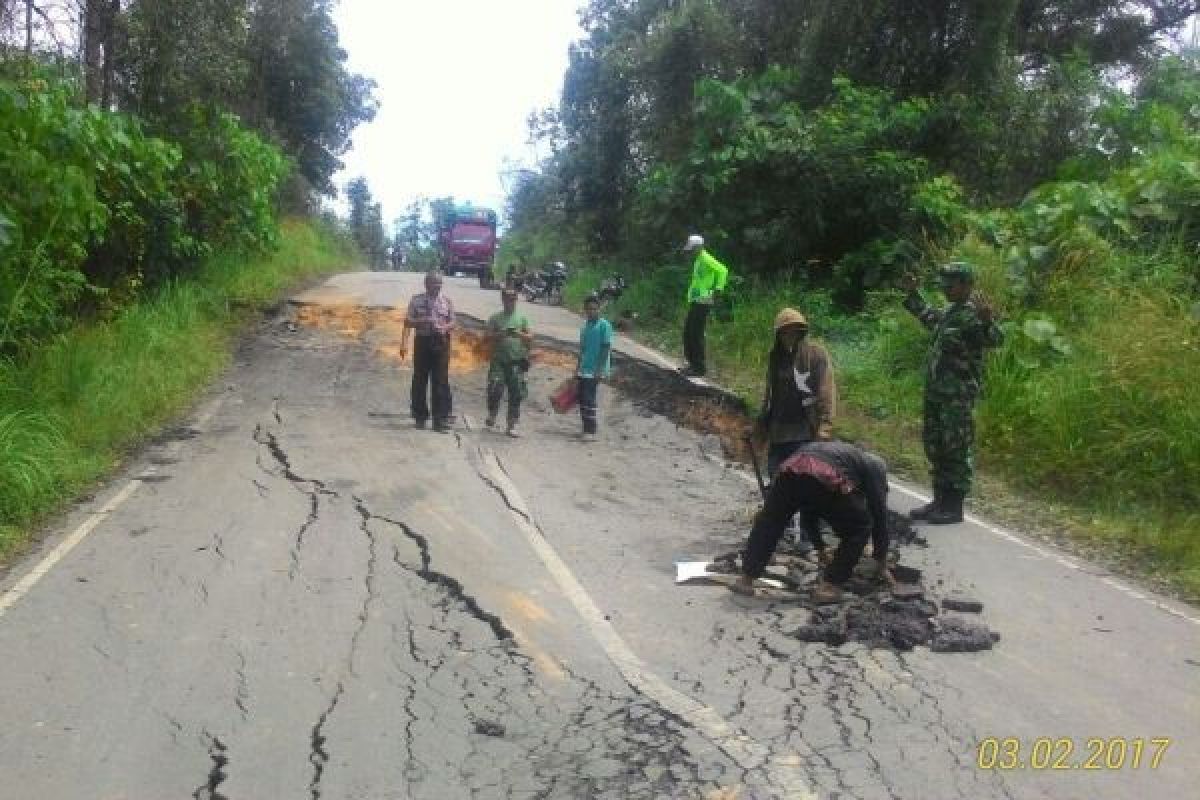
<point>147,153</point>
<point>74,406</point>
<point>1063,160</point>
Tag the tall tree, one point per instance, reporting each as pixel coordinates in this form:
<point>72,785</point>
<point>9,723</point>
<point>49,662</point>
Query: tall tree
<point>300,89</point>
<point>182,52</point>
<point>366,222</point>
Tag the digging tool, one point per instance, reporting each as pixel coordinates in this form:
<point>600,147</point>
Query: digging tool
<point>762,486</point>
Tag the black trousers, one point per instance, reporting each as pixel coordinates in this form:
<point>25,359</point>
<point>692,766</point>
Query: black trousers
<point>693,336</point>
<point>847,514</point>
<point>589,390</point>
<point>431,364</point>
<point>809,522</point>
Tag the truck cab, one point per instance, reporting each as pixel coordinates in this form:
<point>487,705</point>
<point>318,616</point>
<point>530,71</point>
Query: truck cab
<point>468,242</point>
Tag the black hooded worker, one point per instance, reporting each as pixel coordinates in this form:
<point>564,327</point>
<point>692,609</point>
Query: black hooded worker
<point>708,282</point>
<point>962,331</point>
<point>834,481</point>
<point>799,400</point>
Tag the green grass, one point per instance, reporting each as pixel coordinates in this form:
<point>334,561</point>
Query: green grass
<point>70,410</point>
<point>1104,441</point>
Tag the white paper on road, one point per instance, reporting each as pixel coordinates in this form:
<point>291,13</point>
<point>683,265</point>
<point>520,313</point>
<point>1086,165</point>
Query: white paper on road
<point>698,571</point>
<point>690,570</point>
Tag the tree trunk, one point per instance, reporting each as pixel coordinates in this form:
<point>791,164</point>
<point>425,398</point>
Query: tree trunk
<point>108,88</point>
<point>93,49</point>
<point>28,28</point>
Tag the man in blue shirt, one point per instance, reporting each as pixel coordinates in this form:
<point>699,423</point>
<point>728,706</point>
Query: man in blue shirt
<point>595,347</point>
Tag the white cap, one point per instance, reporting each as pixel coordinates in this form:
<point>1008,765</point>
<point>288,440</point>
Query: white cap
<point>694,242</point>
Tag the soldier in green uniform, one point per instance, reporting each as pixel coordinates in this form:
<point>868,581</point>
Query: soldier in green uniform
<point>953,376</point>
<point>508,333</point>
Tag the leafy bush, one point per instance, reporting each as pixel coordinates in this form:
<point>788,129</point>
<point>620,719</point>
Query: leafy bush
<point>92,208</point>
<point>780,188</point>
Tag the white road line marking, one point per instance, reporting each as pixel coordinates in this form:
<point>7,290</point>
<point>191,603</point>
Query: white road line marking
<point>1042,552</point>
<point>22,587</point>
<point>12,596</point>
<point>782,769</point>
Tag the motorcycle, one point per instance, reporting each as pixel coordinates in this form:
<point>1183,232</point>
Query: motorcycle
<point>611,289</point>
<point>547,284</point>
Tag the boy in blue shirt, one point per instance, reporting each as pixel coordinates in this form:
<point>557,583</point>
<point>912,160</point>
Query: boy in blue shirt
<point>595,346</point>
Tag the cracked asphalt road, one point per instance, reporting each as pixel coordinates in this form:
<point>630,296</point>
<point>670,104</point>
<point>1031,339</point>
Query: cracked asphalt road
<point>306,597</point>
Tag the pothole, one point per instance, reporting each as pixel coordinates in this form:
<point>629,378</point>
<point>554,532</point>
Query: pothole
<point>706,410</point>
<point>381,329</point>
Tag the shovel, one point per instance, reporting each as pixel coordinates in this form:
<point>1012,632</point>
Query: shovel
<point>762,485</point>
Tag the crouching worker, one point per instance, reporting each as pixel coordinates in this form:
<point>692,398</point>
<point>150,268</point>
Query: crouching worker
<point>834,481</point>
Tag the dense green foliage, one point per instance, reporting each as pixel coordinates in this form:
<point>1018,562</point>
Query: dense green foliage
<point>176,130</point>
<point>76,404</point>
<point>824,148</point>
<point>93,207</point>
<point>275,63</point>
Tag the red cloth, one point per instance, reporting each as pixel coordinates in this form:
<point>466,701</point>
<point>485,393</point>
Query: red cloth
<point>828,475</point>
<point>566,396</point>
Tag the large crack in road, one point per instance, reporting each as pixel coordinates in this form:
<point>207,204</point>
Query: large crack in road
<point>452,652</point>
<point>815,701</point>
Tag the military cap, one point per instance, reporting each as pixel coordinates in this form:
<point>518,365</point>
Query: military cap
<point>955,272</point>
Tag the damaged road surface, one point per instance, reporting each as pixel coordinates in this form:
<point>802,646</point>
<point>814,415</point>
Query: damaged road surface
<point>296,594</point>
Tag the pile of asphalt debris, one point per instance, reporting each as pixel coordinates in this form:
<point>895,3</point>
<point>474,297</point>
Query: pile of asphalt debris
<point>899,617</point>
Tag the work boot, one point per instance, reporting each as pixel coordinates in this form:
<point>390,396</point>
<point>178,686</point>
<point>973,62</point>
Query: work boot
<point>512,430</point>
<point>923,512</point>
<point>490,421</point>
<point>950,510</point>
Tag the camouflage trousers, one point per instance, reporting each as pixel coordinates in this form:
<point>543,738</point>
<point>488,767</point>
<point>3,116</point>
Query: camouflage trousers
<point>510,378</point>
<point>948,434</point>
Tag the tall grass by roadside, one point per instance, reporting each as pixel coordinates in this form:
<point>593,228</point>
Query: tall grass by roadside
<point>71,408</point>
<point>1105,429</point>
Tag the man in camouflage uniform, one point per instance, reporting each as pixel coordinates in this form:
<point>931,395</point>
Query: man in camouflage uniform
<point>953,376</point>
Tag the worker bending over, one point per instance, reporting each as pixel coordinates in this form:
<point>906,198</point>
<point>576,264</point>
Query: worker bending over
<point>835,481</point>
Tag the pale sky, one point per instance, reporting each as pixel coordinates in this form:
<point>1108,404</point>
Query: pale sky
<point>456,82</point>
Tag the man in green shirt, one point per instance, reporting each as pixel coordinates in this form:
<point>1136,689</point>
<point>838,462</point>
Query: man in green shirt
<point>510,338</point>
<point>708,282</point>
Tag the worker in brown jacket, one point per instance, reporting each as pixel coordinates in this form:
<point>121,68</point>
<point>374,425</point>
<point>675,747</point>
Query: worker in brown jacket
<point>799,401</point>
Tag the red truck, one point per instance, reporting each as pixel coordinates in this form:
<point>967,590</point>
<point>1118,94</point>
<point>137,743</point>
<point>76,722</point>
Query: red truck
<point>467,236</point>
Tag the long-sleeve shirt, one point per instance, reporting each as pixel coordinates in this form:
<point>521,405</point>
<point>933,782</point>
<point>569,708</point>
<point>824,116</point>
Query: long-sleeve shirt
<point>800,398</point>
<point>954,366</point>
<point>708,275</point>
<point>844,469</point>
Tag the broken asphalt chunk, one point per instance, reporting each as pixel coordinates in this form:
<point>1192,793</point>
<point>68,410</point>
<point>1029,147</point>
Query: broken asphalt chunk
<point>487,727</point>
<point>957,601</point>
<point>957,635</point>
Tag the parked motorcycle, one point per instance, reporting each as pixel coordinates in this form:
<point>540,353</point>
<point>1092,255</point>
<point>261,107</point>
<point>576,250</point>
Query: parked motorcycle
<point>611,289</point>
<point>547,284</point>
